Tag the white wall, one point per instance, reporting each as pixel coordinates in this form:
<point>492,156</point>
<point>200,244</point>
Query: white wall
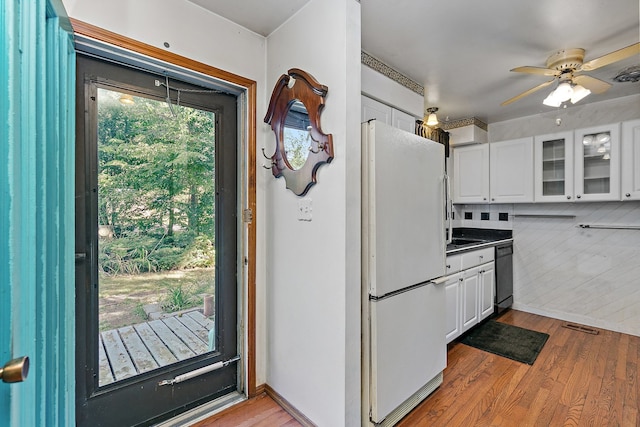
<point>589,276</point>
<point>313,274</point>
<point>205,37</point>
<point>574,117</point>
<point>560,270</point>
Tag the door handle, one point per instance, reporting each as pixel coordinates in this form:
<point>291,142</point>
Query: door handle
<point>15,370</point>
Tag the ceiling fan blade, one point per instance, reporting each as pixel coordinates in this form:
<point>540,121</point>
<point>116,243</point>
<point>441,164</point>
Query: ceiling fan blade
<point>537,70</point>
<point>612,57</point>
<point>529,92</point>
<point>591,83</point>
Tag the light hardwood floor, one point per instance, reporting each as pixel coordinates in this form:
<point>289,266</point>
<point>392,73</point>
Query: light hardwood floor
<point>261,411</point>
<point>578,379</point>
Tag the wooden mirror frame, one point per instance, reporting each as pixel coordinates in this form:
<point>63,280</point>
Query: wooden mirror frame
<point>307,90</point>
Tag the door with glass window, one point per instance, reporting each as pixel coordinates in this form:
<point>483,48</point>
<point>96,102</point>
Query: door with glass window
<point>156,244</point>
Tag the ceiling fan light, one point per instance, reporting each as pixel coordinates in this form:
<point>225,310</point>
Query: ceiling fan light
<point>563,92</point>
<point>551,100</point>
<point>579,92</point>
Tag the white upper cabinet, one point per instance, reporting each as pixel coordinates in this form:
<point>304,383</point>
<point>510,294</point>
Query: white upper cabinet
<point>597,163</point>
<point>471,174</point>
<point>631,160</point>
<point>511,171</point>
<point>372,109</point>
<point>402,120</point>
<point>553,171</point>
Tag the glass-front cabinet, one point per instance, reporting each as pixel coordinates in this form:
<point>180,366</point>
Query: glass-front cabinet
<point>553,171</point>
<point>597,163</point>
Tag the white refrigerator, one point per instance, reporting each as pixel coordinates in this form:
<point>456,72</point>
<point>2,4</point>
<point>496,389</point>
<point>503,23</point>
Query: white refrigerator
<point>403,244</point>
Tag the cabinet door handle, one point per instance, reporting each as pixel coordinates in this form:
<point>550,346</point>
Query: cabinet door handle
<point>448,266</point>
<point>578,196</point>
<point>568,197</point>
<point>628,195</point>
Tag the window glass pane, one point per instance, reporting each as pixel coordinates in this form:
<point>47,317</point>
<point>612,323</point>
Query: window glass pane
<point>156,233</point>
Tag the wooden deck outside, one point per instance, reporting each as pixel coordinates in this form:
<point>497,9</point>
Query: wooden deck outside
<point>132,350</point>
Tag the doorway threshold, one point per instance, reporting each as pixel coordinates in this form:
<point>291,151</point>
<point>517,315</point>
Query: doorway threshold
<point>204,411</point>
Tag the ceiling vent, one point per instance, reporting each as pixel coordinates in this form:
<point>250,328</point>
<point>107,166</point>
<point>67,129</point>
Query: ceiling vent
<point>630,74</point>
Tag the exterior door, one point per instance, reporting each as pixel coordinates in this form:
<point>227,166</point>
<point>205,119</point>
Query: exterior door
<point>156,245</point>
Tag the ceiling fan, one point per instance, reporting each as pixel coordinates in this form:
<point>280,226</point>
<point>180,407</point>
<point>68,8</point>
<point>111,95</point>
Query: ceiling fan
<point>565,66</point>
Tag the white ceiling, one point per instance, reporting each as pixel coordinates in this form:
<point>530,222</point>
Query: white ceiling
<point>260,16</point>
<point>462,51</point>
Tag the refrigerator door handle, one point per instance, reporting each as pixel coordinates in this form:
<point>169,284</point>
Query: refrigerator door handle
<point>448,206</point>
<point>440,280</point>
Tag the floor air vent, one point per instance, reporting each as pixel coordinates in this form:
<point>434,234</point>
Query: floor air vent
<point>581,328</point>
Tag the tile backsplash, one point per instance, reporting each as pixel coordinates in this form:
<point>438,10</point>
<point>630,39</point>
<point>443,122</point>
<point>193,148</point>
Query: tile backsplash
<point>497,216</point>
<point>562,270</point>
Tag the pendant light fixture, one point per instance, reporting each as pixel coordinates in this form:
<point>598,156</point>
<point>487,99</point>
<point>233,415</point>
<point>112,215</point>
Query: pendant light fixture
<point>432,119</point>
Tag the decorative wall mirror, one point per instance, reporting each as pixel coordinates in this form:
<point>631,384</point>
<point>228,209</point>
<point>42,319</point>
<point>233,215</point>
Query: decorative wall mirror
<point>294,115</point>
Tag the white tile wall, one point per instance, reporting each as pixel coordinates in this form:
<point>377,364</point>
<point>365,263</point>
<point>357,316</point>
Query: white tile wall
<point>589,276</point>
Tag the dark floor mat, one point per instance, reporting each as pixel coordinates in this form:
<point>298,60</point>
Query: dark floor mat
<point>522,345</point>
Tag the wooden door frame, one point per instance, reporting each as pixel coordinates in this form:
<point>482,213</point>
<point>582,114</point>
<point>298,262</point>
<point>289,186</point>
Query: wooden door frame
<point>248,308</point>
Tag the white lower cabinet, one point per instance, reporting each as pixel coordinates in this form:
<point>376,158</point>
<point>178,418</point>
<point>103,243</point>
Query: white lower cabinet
<point>469,298</point>
<point>470,292</point>
<point>452,310</point>
<point>487,290</point>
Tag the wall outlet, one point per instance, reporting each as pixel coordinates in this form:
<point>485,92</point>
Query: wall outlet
<point>305,210</point>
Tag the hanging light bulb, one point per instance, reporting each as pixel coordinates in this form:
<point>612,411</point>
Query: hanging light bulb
<point>432,119</point>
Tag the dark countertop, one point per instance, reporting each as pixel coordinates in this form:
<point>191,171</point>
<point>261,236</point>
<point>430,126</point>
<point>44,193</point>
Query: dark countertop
<point>470,239</point>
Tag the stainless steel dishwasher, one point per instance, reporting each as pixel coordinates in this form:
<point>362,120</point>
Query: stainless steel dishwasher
<point>504,276</point>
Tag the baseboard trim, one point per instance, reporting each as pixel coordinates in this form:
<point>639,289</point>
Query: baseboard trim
<point>577,318</point>
<point>259,390</point>
<point>295,413</point>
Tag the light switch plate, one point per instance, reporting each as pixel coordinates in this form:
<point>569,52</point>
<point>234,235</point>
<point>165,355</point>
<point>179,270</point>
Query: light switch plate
<point>305,210</point>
